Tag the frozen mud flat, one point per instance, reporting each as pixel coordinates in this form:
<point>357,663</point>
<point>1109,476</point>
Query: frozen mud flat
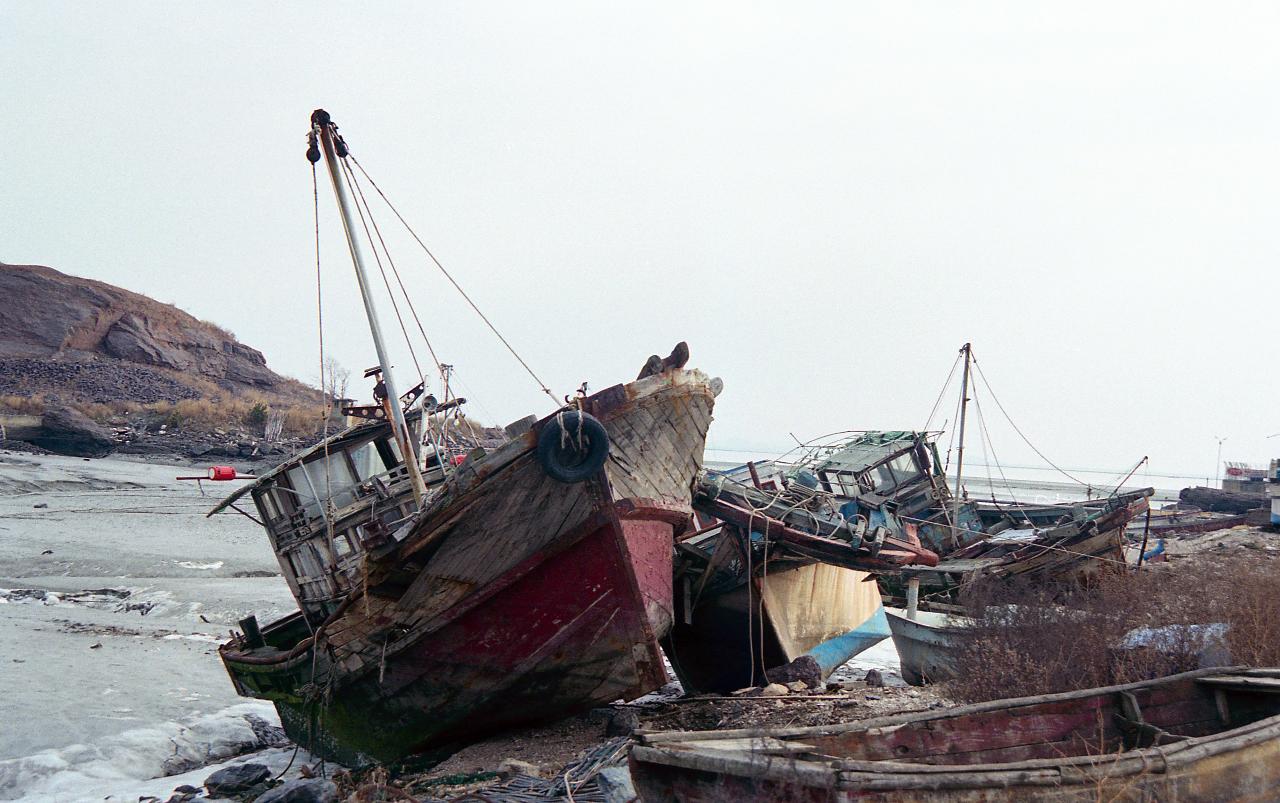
<point>114,593</point>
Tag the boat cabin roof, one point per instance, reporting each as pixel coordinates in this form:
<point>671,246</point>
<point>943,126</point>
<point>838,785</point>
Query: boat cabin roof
<point>868,449</point>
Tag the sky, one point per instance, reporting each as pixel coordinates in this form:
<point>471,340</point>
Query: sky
<point>826,200</point>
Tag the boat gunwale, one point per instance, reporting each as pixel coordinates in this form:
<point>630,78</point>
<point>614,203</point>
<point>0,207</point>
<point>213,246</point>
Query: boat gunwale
<point>655,737</point>
<point>664,748</point>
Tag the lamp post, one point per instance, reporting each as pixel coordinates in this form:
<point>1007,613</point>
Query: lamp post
<point>1217,469</point>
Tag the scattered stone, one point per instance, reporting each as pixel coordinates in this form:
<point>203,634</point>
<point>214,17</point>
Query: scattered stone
<point>306,790</point>
<point>797,686</point>
<point>47,552</point>
<point>65,431</point>
<point>615,785</point>
<point>774,690</point>
<point>804,668</point>
<point>745,692</point>
<point>268,735</point>
<point>621,722</point>
<point>186,789</point>
<point>236,779</point>
<point>871,697</point>
<point>874,679</point>
<point>509,768</point>
<point>40,505</point>
<point>97,646</point>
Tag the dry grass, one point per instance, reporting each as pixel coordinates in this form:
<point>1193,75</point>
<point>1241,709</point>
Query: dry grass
<point>237,412</point>
<point>22,405</point>
<point>1039,641</point>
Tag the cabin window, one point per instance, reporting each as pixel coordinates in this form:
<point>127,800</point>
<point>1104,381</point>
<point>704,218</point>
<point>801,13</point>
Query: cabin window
<point>391,518</point>
<point>333,475</point>
<point>904,468</point>
<point>882,476</point>
<point>342,545</point>
<point>267,505</point>
<point>305,497</point>
<point>390,451</point>
<point>367,461</point>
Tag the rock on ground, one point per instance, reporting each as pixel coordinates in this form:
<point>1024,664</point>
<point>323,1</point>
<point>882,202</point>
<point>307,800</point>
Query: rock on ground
<point>68,432</point>
<point>805,668</point>
<point>306,790</point>
<point>236,779</point>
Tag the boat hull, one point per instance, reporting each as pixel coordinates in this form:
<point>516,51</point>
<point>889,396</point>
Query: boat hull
<point>826,612</point>
<point>1211,735</point>
<point>568,633</point>
<point>514,599</point>
<point>926,645</point>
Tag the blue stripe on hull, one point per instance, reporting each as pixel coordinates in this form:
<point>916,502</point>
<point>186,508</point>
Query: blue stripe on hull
<point>835,651</point>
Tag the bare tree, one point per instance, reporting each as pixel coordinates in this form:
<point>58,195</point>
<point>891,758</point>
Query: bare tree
<point>336,380</point>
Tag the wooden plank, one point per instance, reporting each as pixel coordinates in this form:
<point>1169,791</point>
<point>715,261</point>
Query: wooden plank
<point>1257,684</point>
<point>766,745</point>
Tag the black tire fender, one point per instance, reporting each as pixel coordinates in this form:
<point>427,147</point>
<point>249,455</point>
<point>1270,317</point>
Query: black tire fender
<point>572,447</point>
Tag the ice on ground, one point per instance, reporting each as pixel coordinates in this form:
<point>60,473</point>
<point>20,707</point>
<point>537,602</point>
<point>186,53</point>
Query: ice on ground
<point>190,564</point>
<point>147,760</point>
<point>107,641</point>
<point>882,656</point>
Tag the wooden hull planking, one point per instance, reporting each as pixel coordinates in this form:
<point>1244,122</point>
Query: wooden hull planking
<point>926,644</point>
<point>1222,743</point>
<point>533,598</point>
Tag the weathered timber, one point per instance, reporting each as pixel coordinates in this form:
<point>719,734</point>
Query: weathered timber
<point>1074,746</point>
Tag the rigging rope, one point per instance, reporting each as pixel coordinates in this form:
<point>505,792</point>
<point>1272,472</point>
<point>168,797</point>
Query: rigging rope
<point>942,392</point>
<point>986,436</point>
<point>542,385</point>
<point>404,330</point>
<point>1021,434</point>
<point>395,271</point>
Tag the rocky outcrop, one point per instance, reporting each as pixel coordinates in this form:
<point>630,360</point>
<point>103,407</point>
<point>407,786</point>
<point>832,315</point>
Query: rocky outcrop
<point>65,431</point>
<point>50,315</point>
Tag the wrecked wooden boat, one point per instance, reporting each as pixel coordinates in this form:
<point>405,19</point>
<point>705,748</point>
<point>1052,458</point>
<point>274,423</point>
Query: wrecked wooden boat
<point>1209,735</point>
<point>1074,552</point>
<point>742,613</point>
<point>515,585</point>
<point>926,642</point>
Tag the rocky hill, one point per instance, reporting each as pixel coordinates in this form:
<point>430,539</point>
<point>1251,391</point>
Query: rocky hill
<point>74,347</point>
<point>50,315</point>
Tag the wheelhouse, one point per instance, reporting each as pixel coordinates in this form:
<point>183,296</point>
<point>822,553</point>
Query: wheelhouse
<point>325,508</point>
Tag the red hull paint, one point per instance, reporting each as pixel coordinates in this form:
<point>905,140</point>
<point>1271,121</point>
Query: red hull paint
<point>577,629</point>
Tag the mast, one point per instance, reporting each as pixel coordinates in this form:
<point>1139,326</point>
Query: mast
<point>967,351</point>
<point>321,123</point>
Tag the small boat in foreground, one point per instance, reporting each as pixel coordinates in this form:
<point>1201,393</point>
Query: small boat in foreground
<point>926,642</point>
<point>1209,735</point>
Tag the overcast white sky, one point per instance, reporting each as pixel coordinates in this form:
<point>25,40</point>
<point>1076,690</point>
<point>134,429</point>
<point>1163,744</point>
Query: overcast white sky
<point>825,200</point>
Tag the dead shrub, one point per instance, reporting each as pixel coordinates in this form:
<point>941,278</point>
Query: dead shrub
<point>22,405</point>
<point>1028,640</point>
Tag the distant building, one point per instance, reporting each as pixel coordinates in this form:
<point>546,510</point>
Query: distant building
<point>1241,478</point>
<point>1273,488</point>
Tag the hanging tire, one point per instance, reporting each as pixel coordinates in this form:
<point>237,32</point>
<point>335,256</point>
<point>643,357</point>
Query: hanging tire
<point>572,447</point>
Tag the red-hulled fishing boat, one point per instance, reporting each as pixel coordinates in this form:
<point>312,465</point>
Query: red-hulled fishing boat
<point>532,580</point>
